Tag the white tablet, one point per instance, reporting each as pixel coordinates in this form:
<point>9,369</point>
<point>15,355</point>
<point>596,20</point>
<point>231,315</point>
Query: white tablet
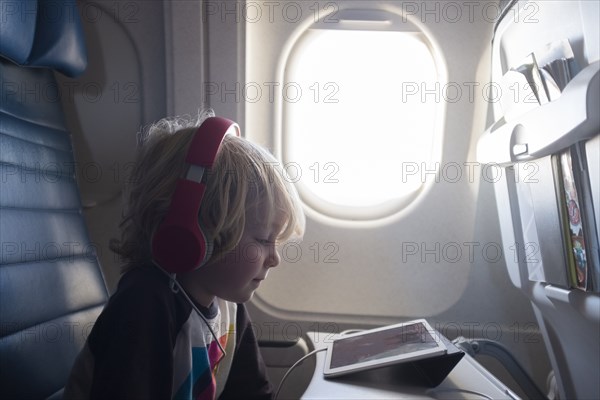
<point>379,347</point>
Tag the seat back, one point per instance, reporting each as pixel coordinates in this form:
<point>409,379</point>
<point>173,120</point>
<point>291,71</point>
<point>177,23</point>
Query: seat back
<point>51,285</point>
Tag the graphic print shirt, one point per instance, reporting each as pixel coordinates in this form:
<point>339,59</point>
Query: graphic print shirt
<point>149,343</point>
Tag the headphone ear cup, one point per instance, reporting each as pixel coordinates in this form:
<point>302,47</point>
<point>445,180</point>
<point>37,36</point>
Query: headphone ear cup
<point>178,244</point>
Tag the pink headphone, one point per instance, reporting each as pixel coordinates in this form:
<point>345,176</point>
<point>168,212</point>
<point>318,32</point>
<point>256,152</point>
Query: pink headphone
<point>179,244</point>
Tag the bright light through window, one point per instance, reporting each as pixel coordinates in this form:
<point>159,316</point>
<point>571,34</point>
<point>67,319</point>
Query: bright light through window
<point>363,121</point>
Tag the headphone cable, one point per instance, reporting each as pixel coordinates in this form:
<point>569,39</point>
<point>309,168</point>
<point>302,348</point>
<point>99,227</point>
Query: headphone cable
<point>294,366</point>
<point>177,288</point>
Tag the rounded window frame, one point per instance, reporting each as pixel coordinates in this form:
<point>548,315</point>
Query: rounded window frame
<point>370,20</point>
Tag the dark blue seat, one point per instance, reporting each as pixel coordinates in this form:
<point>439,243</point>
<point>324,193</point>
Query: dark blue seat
<point>51,285</point>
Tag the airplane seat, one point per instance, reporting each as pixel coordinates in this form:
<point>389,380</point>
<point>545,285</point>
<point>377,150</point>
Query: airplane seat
<point>51,285</point>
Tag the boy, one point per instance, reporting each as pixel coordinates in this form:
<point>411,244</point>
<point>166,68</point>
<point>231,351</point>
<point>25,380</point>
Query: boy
<point>187,335</point>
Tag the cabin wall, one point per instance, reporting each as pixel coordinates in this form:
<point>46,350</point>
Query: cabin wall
<point>123,89</point>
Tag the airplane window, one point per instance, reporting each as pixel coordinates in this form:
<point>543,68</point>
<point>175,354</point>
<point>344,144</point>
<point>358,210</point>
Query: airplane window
<point>359,113</point>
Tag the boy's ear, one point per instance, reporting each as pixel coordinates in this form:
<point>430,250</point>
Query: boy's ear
<point>179,244</point>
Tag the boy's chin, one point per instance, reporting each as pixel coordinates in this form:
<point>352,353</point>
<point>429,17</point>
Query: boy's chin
<point>240,297</point>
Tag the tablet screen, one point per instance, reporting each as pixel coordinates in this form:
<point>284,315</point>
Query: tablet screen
<point>382,346</point>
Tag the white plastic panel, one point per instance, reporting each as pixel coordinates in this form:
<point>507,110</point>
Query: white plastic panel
<point>122,89</point>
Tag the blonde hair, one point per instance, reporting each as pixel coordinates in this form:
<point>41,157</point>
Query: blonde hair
<point>243,176</point>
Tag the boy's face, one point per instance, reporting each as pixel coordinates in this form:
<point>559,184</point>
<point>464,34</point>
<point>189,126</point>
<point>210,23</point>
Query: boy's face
<point>236,276</point>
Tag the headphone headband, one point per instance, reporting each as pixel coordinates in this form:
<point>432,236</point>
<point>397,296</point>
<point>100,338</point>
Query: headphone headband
<point>207,140</point>
<point>179,244</point>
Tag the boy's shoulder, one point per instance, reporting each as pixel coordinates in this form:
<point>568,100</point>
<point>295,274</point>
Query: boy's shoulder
<point>143,286</point>
<point>142,303</point>
<point>144,276</point>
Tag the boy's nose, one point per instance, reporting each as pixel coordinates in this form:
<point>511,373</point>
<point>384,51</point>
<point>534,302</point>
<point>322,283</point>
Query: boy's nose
<point>273,258</point>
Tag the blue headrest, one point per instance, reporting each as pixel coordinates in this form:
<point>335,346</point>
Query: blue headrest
<point>43,33</point>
